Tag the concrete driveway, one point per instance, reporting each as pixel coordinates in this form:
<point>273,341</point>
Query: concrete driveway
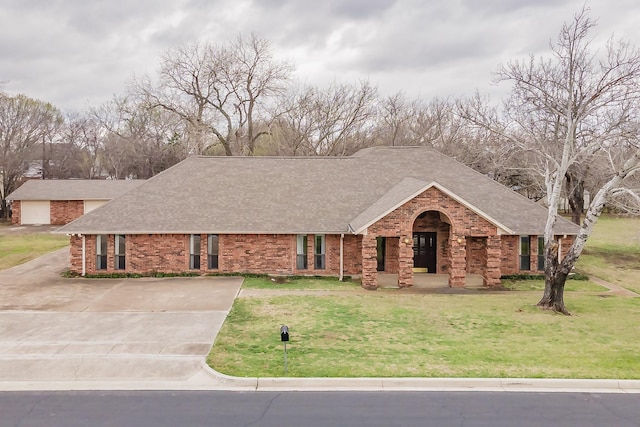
<point>149,332</point>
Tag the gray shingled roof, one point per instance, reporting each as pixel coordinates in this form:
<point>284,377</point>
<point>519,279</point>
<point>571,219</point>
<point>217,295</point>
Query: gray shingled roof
<point>402,192</point>
<point>73,189</point>
<point>269,195</point>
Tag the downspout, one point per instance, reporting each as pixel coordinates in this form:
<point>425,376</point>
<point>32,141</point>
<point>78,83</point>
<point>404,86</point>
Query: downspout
<point>84,258</point>
<point>341,256</point>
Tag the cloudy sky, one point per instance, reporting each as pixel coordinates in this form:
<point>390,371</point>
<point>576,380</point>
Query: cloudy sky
<point>79,53</point>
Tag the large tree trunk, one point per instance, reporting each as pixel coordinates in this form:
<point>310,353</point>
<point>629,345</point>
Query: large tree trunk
<point>555,278</point>
<point>553,298</point>
<point>4,207</point>
<point>575,196</point>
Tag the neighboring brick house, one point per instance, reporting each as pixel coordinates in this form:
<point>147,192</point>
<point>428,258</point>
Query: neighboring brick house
<point>401,210</point>
<point>58,202</point>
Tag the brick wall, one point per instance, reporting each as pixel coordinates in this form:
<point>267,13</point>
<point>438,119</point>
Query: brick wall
<point>75,253</point>
<point>15,212</point>
<point>476,255</point>
<point>392,253</point>
<point>511,253</point>
<point>276,254</point>
<point>60,211</point>
<point>244,253</point>
<point>510,260</point>
<point>155,252</point>
<point>257,253</point>
<point>565,244</point>
<point>352,254</point>
<point>64,211</point>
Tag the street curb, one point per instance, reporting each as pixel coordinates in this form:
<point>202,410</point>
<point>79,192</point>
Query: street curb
<point>231,383</point>
<point>208,379</point>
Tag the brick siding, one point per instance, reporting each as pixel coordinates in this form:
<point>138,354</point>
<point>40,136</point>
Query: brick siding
<point>476,255</point>
<point>60,211</point>
<point>15,212</point>
<point>64,211</point>
<point>511,253</point>
<point>244,253</point>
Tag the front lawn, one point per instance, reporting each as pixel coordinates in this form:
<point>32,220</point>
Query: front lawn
<point>501,334</point>
<point>493,334</point>
<point>538,285</point>
<point>613,252</point>
<point>20,248</point>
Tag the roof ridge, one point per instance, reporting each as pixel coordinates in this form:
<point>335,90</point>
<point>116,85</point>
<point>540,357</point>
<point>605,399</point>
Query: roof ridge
<point>273,157</point>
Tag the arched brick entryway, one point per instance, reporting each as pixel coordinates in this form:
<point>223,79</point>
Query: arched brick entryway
<point>441,208</point>
<point>448,255</point>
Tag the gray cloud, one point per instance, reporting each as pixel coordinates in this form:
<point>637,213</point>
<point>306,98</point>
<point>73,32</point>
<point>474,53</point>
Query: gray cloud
<point>74,52</point>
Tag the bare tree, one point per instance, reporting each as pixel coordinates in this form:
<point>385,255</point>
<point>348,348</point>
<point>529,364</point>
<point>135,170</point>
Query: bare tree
<point>25,124</point>
<point>398,117</point>
<point>139,142</point>
<point>87,136</point>
<point>567,112</point>
<point>219,90</point>
<point>335,121</point>
<point>294,122</point>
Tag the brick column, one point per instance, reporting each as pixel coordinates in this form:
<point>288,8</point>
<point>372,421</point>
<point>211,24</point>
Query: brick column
<point>533,252</point>
<point>369,262</point>
<point>405,262</point>
<point>492,270</point>
<point>15,212</point>
<point>457,273</point>
<point>204,253</point>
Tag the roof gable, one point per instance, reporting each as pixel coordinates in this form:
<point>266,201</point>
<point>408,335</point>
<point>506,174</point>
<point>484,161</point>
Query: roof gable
<point>405,191</point>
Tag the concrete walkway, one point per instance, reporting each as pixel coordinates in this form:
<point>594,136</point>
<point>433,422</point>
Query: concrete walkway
<point>613,289</point>
<point>154,334</point>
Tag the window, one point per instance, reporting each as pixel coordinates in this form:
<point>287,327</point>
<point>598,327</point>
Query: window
<point>120,246</point>
<point>194,252</point>
<point>212,251</point>
<point>381,243</point>
<point>101,252</point>
<point>525,253</point>
<point>319,252</point>
<point>301,252</point>
<point>540,253</point>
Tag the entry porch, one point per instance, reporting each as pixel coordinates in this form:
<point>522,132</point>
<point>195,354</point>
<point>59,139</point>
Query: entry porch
<point>429,281</point>
<point>430,249</point>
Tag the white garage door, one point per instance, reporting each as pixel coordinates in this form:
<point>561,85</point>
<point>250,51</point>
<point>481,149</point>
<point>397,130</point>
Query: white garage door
<point>34,212</point>
<point>90,205</point>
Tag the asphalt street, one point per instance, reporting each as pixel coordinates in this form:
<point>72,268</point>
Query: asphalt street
<point>310,409</point>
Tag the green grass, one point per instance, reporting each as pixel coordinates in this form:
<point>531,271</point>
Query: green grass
<point>20,248</point>
<point>538,285</point>
<point>613,252</point>
<point>494,335</point>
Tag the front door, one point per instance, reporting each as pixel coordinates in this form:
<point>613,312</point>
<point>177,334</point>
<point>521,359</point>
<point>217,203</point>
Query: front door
<point>424,251</point>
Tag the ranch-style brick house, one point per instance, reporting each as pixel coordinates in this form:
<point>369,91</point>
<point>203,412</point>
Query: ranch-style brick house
<point>58,202</point>
<point>400,210</point>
